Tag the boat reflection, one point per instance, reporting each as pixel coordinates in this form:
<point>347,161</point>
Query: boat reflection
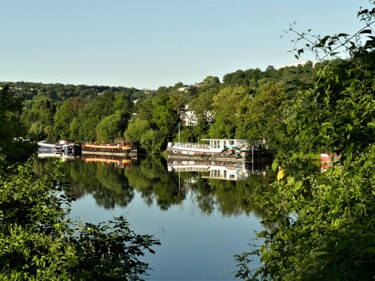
<point>63,157</point>
<point>222,170</point>
<point>117,161</point>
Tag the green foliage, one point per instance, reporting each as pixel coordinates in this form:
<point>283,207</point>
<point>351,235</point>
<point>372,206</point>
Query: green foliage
<point>10,111</point>
<point>78,112</point>
<point>321,225</point>
<point>164,115</point>
<point>103,120</point>
<point>57,111</point>
<point>152,141</point>
<point>12,130</point>
<point>109,128</point>
<point>260,113</point>
<point>155,123</point>
<point>65,114</point>
<point>136,128</point>
<point>38,241</point>
<point>40,119</point>
<point>226,111</point>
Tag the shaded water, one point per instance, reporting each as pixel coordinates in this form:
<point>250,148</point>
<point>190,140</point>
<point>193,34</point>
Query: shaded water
<point>201,222</point>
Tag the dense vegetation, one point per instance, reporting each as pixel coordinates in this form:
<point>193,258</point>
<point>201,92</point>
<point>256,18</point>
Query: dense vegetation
<point>320,225</point>
<point>245,105</point>
<point>116,185</point>
<point>38,239</point>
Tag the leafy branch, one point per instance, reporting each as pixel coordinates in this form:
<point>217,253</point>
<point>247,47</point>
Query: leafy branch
<point>333,46</point>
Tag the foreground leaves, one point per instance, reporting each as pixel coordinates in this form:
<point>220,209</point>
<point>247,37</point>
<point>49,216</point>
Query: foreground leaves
<point>322,225</point>
<point>38,241</point>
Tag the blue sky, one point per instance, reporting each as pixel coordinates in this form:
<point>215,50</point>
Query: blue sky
<point>147,44</point>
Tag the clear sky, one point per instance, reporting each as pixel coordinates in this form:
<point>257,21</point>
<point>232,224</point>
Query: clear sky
<point>152,43</point>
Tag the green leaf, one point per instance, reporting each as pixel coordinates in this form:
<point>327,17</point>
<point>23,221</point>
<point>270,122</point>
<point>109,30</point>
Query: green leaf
<point>275,165</point>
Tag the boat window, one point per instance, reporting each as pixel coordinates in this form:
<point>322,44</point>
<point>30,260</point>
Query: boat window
<point>174,151</point>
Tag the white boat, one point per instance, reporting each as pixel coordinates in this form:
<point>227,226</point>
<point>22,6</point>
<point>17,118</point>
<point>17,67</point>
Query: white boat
<point>216,148</point>
<point>49,148</point>
<point>63,147</point>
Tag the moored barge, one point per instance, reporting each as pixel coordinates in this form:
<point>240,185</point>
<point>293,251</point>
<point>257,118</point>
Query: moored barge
<point>218,150</point>
<point>123,149</point>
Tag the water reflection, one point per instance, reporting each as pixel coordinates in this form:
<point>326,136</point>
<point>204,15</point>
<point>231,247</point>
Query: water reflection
<point>207,222</point>
<point>231,189</point>
<point>117,161</point>
<point>222,170</point>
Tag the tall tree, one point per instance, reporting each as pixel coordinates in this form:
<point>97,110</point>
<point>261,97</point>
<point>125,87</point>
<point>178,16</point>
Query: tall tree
<point>65,114</point>
<point>11,126</point>
<point>40,118</point>
<point>260,113</point>
<point>83,127</point>
<point>226,111</point>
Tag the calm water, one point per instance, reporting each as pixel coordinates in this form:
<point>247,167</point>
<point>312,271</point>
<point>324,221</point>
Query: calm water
<point>201,222</point>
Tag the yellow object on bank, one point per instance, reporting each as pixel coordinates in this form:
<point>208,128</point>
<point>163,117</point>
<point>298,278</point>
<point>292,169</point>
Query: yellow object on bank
<point>280,174</point>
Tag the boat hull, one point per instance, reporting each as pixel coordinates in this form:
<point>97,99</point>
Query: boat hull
<point>237,150</point>
<point>223,155</point>
<point>49,148</point>
<point>120,149</point>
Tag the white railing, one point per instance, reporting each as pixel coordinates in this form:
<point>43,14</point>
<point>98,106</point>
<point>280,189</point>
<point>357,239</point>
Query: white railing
<point>191,145</point>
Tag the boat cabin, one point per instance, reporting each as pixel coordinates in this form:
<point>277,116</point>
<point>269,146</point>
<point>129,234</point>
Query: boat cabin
<point>227,143</point>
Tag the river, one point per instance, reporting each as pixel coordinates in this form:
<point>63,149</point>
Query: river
<point>201,222</point>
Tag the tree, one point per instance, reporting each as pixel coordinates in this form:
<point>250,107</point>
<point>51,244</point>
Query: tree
<point>260,112</point>
<point>83,127</point>
<point>40,119</point>
<point>322,223</point>
<point>65,114</point>
<point>109,128</point>
<point>11,126</point>
<point>136,129</point>
<point>155,123</point>
<point>152,141</point>
<point>38,240</point>
<point>225,111</point>
<point>164,116</point>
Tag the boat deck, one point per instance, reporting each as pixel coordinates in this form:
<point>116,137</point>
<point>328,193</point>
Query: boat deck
<point>198,146</point>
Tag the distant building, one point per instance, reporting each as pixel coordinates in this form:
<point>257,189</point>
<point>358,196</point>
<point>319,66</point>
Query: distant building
<point>184,88</point>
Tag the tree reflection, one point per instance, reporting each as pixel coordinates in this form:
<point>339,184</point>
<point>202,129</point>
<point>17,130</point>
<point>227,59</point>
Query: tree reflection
<point>113,186</point>
<point>106,183</point>
<point>203,193</point>
<point>151,178</point>
<point>230,197</point>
